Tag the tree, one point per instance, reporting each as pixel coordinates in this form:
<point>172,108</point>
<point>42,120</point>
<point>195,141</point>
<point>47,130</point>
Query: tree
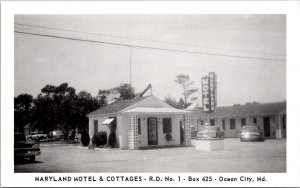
<point>23,105</point>
<point>186,83</point>
<point>55,107</point>
<point>83,105</point>
<point>121,92</point>
<point>103,97</point>
<point>172,102</point>
<point>124,91</point>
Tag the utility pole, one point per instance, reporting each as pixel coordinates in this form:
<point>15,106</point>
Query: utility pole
<point>130,65</point>
<point>130,68</point>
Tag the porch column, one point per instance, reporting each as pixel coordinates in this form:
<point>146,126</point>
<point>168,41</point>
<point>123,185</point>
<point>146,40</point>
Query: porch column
<point>248,120</point>
<point>132,131</point>
<point>187,130</point>
<point>278,126</point>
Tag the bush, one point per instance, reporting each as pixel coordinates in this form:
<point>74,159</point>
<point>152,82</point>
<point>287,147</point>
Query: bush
<point>168,137</point>
<point>85,138</point>
<point>112,139</point>
<point>100,139</point>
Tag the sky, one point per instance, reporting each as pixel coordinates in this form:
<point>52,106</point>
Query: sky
<point>92,66</point>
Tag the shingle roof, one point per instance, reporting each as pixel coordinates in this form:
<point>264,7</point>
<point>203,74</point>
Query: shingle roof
<point>245,110</point>
<point>117,106</point>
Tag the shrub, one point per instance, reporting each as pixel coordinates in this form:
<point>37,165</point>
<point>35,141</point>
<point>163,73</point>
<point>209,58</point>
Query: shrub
<point>112,139</point>
<point>85,138</point>
<point>100,139</point>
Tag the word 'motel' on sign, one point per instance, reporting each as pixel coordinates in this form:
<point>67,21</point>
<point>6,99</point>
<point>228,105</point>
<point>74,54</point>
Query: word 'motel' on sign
<point>208,93</point>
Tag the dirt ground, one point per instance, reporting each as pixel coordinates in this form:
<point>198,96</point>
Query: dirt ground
<point>267,156</point>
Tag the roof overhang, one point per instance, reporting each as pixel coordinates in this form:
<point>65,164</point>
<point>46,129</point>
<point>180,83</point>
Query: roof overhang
<point>153,110</point>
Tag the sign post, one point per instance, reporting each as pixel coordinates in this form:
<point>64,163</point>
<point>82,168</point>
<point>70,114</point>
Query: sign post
<point>208,138</point>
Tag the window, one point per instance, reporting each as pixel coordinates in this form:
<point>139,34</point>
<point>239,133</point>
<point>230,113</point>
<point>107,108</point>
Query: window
<point>167,126</point>
<point>232,123</point>
<point>139,125</point>
<point>212,122</point>
<point>254,120</point>
<point>95,126</point>
<point>201,121</point>
<point>223,124</point>
<point>243,121</point>
<point>283,123</point>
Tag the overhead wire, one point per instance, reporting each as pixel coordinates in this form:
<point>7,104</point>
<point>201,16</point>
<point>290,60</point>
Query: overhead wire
<point>147,47</point>
<point>147,40</point>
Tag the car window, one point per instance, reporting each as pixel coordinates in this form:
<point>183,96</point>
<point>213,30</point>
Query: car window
<point>250,128</point>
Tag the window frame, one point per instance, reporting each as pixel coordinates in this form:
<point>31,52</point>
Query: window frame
<point>96,124</point>
<point>232,123</point>
<point>243,120</point>
<point>223,124</point>
<point>167,130</point>
<point>212,120</point>
<point>254,120</point>
<point>139,126</point>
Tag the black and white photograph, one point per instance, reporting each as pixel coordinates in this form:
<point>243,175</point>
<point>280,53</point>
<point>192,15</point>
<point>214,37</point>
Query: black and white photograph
<point>188,98</point>
<point>150,93</point>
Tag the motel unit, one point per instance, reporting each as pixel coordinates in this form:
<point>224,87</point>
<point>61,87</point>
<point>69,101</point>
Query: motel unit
<point>142,122</point>
<point>270,117</point>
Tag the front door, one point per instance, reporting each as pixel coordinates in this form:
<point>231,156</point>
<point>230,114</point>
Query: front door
<point>267,128</point>
<point>152,131</point>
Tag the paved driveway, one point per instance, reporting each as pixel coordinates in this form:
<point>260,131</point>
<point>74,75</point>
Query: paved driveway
<point>268,156</point>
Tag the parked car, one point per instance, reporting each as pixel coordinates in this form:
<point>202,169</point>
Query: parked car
<point>36,136</point>
<point>57,135</point>
<point>25,149</point>
<point>251,133</point>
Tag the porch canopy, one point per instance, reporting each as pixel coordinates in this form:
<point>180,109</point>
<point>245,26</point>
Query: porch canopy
<point>107,121</point>
<point>153,110</point>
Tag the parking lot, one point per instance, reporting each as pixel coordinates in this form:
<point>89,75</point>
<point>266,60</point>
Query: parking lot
<point>267,156</point>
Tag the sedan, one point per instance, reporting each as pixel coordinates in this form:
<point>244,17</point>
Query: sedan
<point>251,133</point>
<point>24,149</point>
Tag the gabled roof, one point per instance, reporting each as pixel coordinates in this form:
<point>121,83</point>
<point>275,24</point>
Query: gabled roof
<point>244,110</point>
<point>153,110</point>
<point>117,106</point>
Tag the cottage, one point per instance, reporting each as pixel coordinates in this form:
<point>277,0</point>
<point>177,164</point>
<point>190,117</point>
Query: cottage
<point>270,117</point>
<point>142,122</point>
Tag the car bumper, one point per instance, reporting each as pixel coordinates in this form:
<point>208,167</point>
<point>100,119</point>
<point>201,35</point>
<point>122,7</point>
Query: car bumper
<point>250,138</point>
<point>28,154</point>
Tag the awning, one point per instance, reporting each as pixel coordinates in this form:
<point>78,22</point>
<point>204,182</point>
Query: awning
<point>153,110</point>
<point>107,121</point>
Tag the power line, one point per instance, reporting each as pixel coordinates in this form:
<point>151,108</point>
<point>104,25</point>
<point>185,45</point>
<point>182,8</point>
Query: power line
<point>147,47</point>
<point>147,40</point>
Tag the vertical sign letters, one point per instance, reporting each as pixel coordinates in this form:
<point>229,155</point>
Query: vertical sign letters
<point>209,93</point>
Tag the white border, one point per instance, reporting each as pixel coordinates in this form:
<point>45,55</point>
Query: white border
<point>291,9</point>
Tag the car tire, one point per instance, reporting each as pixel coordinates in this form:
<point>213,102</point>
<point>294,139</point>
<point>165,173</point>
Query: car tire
<point>242,140</point>
<point>32,158</point>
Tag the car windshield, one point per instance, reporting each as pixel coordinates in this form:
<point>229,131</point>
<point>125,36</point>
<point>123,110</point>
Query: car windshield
<point>250,128</point>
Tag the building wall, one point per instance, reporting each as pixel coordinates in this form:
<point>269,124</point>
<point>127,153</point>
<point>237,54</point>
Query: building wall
<point>104,128</point>
<point>229,133</point>
<point>100,126</point>
<point>122,129</point>
<point>143,137</point>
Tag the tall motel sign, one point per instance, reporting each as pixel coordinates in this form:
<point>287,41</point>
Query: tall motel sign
<point>209,101</point>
